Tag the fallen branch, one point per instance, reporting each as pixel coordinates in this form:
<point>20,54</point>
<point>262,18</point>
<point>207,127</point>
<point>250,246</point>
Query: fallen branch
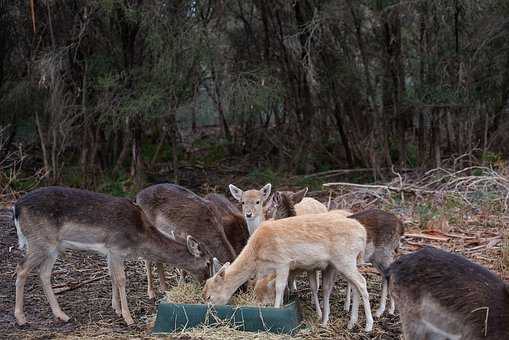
<point>74,285</point>
<point>428,237</point>
<point>384,187</point>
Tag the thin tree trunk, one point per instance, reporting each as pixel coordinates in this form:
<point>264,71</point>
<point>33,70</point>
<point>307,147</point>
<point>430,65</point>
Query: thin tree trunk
<point>43,144</point>
<point>173,130</point>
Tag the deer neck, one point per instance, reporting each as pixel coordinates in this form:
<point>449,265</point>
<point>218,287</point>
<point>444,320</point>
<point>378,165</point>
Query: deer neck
<point>254,223</point>
<point>160,248</point>
<point>241,269</point>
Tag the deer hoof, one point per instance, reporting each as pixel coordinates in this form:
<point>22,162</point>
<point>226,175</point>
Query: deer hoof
<point>21,320</point>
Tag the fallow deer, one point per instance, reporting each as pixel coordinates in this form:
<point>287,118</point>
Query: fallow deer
<point>252,204</point>
<point>172,208</point>
<point>441,295</point>
<point>52,219</point>
<point>234,224</point>
<point>283,204</point>
<point>384,231</point>
<point>328,242</point>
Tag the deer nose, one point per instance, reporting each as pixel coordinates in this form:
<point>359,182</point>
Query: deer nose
<point>249,214</point>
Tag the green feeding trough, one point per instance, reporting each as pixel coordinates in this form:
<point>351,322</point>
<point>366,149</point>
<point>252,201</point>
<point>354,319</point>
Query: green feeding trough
<point>173,317</point>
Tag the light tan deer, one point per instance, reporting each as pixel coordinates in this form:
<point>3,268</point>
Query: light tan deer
<point>52,219</point>
<point>328,242</point>
<point>383,231</point>
<point>252,204</point>
<point>284,204</point>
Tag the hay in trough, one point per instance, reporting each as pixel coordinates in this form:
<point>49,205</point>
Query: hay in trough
<point>186,292</point>
<point>191,292</point>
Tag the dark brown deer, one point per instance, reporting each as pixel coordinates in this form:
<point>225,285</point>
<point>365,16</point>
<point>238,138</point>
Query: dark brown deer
<point>384,231</point>
<point>234,224</point>
<point>441,295</point>
<point>172,208</point>
<point>52,219</point>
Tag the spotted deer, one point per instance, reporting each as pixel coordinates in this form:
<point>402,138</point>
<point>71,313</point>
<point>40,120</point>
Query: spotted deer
<point>52,219</point>
<point>441,295</point>
<point>172,208</point>
<point>252,204</point>
<point>328,242</point>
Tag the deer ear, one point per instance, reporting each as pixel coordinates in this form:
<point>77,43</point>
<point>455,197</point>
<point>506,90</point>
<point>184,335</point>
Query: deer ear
<point>236,192</point>
<point>299,195</point>
<point>216,266</point>
<point>220,273</point>
<point>193,246</point>
<point>266,191</point>
<point>169,234</point>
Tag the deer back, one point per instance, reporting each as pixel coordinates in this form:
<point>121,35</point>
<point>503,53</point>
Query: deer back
<point>59,217</point>
<point>383,228</point>
<point>76,215</point>
<point>463,297</point>
<point>173,208</point>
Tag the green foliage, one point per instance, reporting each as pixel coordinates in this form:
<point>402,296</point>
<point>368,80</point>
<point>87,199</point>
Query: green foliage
<point>21,99</point>
<point>263,176</point>
<point>425,212</point>
<point>24,184</point>
<point>412,157</point>
<point>492,158</point>
<point>120,186</point>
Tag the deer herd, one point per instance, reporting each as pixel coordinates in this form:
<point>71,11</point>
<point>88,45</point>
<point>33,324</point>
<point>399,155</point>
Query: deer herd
<point>274,238</point>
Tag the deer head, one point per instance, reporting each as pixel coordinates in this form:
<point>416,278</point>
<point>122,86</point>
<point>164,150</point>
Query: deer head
<point>252,204</point>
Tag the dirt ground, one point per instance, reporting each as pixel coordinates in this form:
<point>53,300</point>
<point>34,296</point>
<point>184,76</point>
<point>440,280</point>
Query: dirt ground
<point>87,295</point>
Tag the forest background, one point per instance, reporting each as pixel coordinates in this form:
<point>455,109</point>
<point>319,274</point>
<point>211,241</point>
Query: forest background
<point>113,95</point>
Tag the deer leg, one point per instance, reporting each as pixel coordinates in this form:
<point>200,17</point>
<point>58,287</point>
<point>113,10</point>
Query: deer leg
<point>117,266</point>
<point>292,284</point>
<point>115,298</point>
<point>392,306</point>
<point>281,283</point>
<point>150,281</point>
<point>328,279</point>
<point>45,275</point>
<point>162,280</point>
<point>383,299</point>
<point>182,275</point>
<point>313,284</point>
<point>350,271</point>
<point>348,298</point>
<point>30,261</point>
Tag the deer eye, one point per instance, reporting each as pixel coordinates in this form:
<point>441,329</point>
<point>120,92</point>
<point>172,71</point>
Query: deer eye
<point>257,202</point>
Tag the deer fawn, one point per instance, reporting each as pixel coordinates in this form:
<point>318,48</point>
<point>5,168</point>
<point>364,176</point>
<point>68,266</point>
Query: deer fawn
<point>52,219</point>
<point>445,296</point>
<point>328,242</point>
<point>252,204</point>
